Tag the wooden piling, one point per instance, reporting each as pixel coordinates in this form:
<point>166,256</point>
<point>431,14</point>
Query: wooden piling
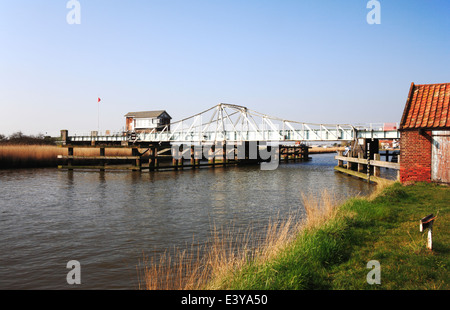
<point>231,154</point>
<point>181,159</point>
<point>224,154</point>
<point>212,159</point>
<point>151,160</point>
<point>376,169</point>
<point>102,161</point>
<point>137,162</point>
<point>360,165</point>
<point>175,154</point>
<point>70,160</point>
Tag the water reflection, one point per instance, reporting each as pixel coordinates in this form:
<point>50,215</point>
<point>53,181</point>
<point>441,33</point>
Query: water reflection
<point>107,220</point>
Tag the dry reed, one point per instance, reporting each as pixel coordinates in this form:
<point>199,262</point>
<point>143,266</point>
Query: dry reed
<point>26,156</point>
<point>318,150</point>
<point>319,210</point>
<point>380,186</point>
<point>208,266</point>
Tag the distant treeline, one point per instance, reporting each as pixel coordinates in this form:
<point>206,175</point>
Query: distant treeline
<point>18,138</point>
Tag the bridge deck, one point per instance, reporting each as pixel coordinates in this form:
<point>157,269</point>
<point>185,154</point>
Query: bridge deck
<point>274,136</point>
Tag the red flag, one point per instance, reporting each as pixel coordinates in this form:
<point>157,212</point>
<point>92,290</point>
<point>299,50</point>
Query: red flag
<point>98,99</point>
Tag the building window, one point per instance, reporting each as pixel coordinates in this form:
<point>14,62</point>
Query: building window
<point>144,123</point>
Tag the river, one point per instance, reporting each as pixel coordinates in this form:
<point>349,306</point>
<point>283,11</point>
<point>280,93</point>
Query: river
<point>107,220</point>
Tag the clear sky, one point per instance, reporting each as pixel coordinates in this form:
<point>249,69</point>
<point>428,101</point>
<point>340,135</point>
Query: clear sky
<point>305,60</point>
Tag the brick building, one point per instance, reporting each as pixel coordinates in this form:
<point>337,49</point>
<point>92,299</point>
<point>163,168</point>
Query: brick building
<point>147,121</point>
<point>425,134</point>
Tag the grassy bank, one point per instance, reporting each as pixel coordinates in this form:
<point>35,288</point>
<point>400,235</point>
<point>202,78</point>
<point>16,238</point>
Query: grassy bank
<point>335,253</point>
<point>329,249</point>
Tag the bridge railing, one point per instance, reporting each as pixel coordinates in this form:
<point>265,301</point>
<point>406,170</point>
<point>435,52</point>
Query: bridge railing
<point>228,122</point>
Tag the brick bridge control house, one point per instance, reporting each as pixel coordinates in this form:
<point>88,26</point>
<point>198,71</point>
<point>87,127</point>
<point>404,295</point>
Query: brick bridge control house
<point>147,121</point>
<point>425,134</point>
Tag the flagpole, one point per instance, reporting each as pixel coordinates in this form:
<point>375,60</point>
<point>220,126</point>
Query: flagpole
<point>98,115</point>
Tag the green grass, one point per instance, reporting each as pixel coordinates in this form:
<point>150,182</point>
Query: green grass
<point>334,255</point>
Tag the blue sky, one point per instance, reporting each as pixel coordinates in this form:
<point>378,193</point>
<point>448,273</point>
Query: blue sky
<point>304,60</point>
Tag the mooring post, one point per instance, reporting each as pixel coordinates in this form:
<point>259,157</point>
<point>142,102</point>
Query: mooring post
<point>258,156</point>
<point>247,150</point>
<point>349,164</point>
<point>360,165</point>
<point>64,136</point>
<point>70,160</point>
<point>156,158</point>
<point>224,153</point>
<point>279,154</point>
<point>193,156</point>
<point>151,160</point>
<point>102,161</point>
<point>376,169</point>
<point>175,154</point>
<point>135,152</point>
<point>175,163</point>
<point>181,159</point>
<point>427,223</point>
<point>213,154</point>
<point>368,162</point>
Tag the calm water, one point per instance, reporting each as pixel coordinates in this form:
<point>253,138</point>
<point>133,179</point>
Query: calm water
<point>106,221</point>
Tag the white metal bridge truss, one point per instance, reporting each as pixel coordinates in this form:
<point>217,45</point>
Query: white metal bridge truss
<point>234,123</point>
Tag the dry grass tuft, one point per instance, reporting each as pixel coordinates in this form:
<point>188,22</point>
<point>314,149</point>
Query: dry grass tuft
<point>319,210</point>
<point>381,185</point>
<point>208,266</point>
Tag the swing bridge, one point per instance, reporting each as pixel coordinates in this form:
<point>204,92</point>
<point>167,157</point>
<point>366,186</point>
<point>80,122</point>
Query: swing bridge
<point>234,123</point>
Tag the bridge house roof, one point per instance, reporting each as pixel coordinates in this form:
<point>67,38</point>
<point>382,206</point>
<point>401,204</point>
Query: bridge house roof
<point>427,106</point>
<point>147,114</point>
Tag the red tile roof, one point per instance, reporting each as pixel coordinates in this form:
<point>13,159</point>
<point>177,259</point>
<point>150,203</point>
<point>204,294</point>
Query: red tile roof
<point>428,106</point>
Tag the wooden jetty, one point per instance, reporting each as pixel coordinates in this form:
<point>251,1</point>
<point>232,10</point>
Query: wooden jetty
<point>158,157</point>
<point>366,164</point>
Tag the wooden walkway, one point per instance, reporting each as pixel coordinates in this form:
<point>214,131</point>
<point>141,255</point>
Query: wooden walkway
<point>160,157</point>
<point>363,168</point>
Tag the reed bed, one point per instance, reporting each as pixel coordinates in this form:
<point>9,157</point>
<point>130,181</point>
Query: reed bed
<point>27,156</point>
<point>35,156</point>
<point>210,265</point>
<point>319,210</point>
<point>320,150</point>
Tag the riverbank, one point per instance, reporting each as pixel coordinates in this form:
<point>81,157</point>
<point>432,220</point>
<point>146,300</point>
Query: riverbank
<point>335,253</point>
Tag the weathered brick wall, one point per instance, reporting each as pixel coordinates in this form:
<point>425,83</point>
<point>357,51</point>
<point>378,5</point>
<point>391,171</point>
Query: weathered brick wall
<point>415,156</point>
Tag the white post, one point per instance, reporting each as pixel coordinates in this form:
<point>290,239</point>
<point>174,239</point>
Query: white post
<point>430,239</point>
<point>427,223</point>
